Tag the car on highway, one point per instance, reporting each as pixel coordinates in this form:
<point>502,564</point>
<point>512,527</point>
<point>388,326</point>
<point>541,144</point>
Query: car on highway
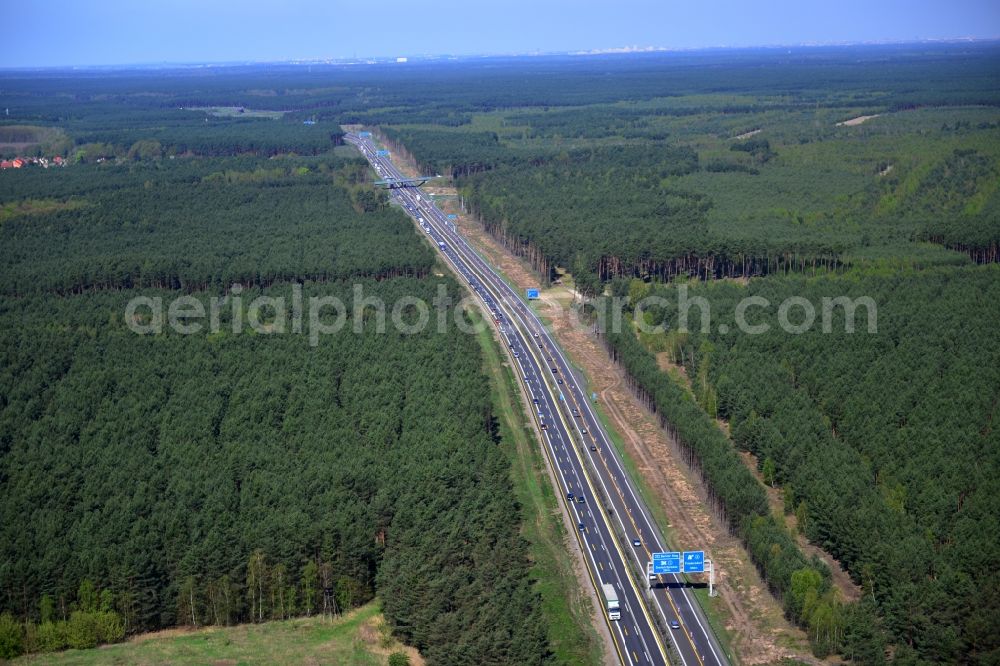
<point>636,543</point>
<point>534,400</point>
<point>581,526</point>
<point>559,381</point>
<point>576,412</point>
<point>674,624</point>
<point>583,430</point>
<point>580,500</point>
<point>569,495</point>
<point>593,447</point>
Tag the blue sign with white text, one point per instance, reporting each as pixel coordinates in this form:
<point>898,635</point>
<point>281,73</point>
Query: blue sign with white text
<point>694,561</point>
<point>382,153</point>
<point>452,216</point>
<point>365,135</point>
<point>666,563</point>
<point>532,294</point>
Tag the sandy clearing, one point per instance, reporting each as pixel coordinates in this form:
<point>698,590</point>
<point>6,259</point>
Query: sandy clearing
<point>373,634</point>
<point>857,121</point>
<point>747,135</point>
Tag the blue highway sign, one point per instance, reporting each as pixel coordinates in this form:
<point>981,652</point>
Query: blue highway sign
<point>694,561</point>
<point>532,294</point>
<point>666,563</point>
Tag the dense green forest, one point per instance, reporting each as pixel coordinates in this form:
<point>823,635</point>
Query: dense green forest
<point>802,583</point>
<point>190,225</point>
<point>656,185</point>
<point>175,471</point>
<point>609,206</point>
<point>146,481</point>
<point>235,475</point>
<point>882,442</point>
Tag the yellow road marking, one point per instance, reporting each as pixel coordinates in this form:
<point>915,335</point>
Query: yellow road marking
<point>548,455</point>
<point>645,547</point>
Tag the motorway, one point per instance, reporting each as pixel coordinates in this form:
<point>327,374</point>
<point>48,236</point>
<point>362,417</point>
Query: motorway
<point>597,492</point>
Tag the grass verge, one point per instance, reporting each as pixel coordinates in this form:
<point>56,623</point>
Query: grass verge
<point>354,639</point>
<point>567,610</point>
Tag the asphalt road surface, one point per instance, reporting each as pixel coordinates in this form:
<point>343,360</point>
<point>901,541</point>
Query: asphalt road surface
<point>660,620</point>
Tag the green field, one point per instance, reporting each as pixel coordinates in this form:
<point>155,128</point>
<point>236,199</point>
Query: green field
<point>355,639</point>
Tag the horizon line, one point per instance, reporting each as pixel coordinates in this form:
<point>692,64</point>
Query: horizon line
<point>423,57</point>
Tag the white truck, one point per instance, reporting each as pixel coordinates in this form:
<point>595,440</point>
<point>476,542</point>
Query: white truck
<point>611,598</point>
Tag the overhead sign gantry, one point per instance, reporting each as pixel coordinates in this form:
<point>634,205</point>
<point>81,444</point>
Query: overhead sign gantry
<point>675,562</point>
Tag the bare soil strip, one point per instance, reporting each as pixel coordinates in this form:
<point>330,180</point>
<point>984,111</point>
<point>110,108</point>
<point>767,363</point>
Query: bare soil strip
<point>857,121</point>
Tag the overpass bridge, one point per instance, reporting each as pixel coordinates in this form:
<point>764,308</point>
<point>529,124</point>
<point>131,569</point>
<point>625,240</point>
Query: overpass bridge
<point>396,183</point>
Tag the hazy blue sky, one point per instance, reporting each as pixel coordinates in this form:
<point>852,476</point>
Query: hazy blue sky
<point>87,32</point>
